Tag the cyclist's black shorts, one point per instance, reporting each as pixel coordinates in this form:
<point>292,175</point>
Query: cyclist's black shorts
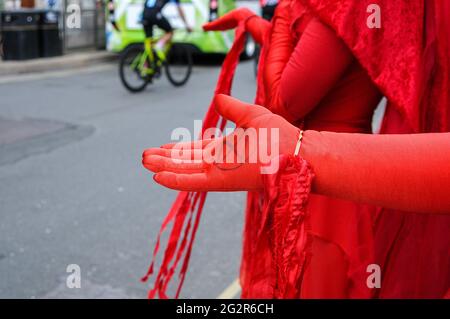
<point>268,11</point>
<point>152,17</point>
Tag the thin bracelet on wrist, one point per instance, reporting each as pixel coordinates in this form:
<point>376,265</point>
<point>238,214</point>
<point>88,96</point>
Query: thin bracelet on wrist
<point>299,143</point>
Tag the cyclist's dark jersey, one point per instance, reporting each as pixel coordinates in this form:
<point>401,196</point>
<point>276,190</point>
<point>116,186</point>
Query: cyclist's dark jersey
<point>158,4</point>
<point>152,16</point>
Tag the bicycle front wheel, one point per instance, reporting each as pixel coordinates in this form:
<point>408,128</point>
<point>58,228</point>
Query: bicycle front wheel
<point>178,64</point>
<point>130,71</point>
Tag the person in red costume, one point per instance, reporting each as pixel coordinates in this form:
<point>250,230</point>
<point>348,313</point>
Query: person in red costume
<point>417,88</point>
<point>342,98</point>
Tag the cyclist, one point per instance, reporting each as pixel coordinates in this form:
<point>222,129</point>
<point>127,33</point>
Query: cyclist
<point>152,16</point>
<point>268,8</point>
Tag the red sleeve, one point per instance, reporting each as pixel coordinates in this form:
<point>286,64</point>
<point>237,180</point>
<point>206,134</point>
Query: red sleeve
<point>318,61</point>
<point>409,172</point>
<point>280,49</point>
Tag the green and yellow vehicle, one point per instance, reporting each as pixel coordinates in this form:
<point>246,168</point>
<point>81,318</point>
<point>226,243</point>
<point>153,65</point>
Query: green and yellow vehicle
<point>124,27</point>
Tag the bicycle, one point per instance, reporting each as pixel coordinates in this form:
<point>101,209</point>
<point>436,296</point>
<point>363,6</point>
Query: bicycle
<point>138,65</point>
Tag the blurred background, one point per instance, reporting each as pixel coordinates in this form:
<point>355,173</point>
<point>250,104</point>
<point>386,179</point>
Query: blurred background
<point>72,187</point>
<point>43,28</point>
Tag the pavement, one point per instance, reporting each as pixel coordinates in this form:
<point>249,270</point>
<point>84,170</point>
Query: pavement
<point>69,61</point>
<point>73,190</point>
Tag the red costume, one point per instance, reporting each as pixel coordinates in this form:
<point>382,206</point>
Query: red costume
<point>341,98</point>
<point>313,80</point>
<point>408,59</point>
<point>331,236</point>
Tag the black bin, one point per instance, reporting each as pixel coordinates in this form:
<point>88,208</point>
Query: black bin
<point>20,34</point>
<point>51,43</point>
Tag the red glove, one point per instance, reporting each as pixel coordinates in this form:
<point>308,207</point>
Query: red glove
<point>404,172</point>
<point>256,25</point>
<point>191,168</point>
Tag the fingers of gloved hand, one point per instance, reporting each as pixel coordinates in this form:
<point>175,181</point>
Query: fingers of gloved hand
<point>197,144</point>
<point>258,27</point>
<point>229,20</point>
<point>192,150</point>
<point>183,182</point>
<point>221,178</point>
<point>174,154</point>
<point>155,151</point>
<point>157,163</point>
<point>225,22</point>
<point>238,112</point>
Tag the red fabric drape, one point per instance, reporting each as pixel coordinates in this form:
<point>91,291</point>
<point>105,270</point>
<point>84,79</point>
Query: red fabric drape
<point>408,59</point>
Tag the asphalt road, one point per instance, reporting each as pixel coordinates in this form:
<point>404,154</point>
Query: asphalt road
<point>73,190</point>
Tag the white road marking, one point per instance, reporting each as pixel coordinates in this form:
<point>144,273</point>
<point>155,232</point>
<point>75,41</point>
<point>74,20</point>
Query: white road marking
<point>231,291</point>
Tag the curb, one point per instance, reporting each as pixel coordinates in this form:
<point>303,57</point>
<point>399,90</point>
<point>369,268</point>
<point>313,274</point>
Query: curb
<point>69,61</point>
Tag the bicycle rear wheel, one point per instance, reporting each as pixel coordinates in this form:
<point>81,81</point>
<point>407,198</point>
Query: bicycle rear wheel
<point>178,64</point>
<point>129,71</point>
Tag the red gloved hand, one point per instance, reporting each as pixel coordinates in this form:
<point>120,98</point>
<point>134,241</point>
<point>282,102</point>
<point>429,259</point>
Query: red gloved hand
<point>225,164</point>
<point>256,25</point>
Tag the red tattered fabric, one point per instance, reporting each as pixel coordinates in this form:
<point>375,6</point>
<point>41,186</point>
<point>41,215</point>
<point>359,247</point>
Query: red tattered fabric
<point>282,242</point>
<point>186,211</point>
<point>408,58</point>
<point>288,239</point>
